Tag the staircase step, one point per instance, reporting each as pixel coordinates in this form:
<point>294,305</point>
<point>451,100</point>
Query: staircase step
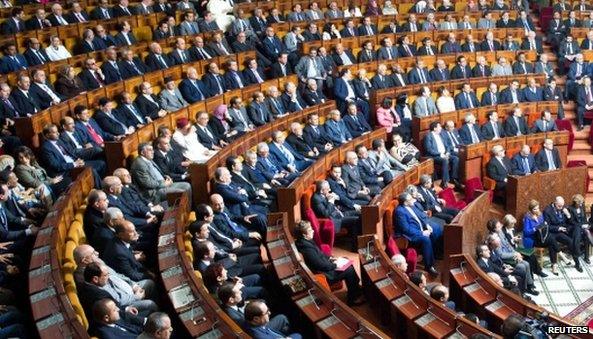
<point>588,158</point>
<point>580,148</point>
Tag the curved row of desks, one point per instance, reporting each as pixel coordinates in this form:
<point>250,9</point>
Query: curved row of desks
<point>409,311</point>
<point>52,309</point>
<point>196,309</point>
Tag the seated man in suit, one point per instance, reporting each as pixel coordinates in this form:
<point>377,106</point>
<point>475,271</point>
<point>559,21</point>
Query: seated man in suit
<point>12,60</point>
<point>285,156</point>
<point>110,120</point>
<point>442,153</point>
<point>253,74</point>
<point>522,66</point>
<point>544,124</point>
<point>315,135</point>
<point>273,172</point>
<point>512,94</point>
<point>291,99</point>
<point>318,262</point>
<point>257,320</point>
<point>150,180</point>
<point>336,130</point>
<point>237,199</point>
<point>246,228</point>
<point>156,59</point>
<point>548,158</point>
<point>481,69</point>
<point>129,113</point>
<point>108,324</point>
<point>79,144</point>
<point>488,265</point>
<point>533,93</point>
<point>192,88</point>
<point>110,67</point>
<point>118,255</point>
<point>584,100</point>
<point>338,186</point>
<point>490,97</point>
<point>25,104</point>
<point>492,129</point>
<point>431,202</point>
<point>298,142</point>
<point>516,125</point>
<point>355,122</point>
<point>42,90</point>
<point>35,55</point>
<point>207,136</point>
<point>424,104</point>
<point>381,79</point>
<point>502,68</point>
<point>371,175</point>
<point>499,167</point>
<point>523,163</point>
<point>415,226</point>
<point>470,132</point>
<point>440,293</point>
<point>171,163</point>
<point>461,70</point>
<point>312,95</point>
<point>466,98</point>
<point>233,78</point>
<point>148,103</point>
<point>130,66</point>
<point>54,155</point>
<point>257,192</point>
<point>359,185</point>
<point>451,136</point>
<point>230,296</point>
<point>170,98</point>
<point>125,36</point>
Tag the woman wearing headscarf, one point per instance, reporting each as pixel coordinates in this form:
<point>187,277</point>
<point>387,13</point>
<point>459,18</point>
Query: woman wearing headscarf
<point>220,123</point>
<point>68,84</point>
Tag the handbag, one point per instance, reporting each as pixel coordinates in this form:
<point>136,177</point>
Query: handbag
<point>543,230</point>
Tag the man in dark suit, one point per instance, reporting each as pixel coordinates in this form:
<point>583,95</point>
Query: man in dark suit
<point>548,158</point>
<point>148,103</point>
<point>162,31</point>
<point>418,74</point>
<point>545,123</point>
<point>470,132</point>
<point>470,45</point>
<point>77,14</point>
<point>367,53</point>
<point>451,45</point>
<point>192,89</point>
<point>315,136</point>
<point>499,167</point>
<point>273,173</point>
<point>492,129</point>
<point>481,69</point>
<point>89,128</point>
<point>199,51</point>
<point>12,61</point>
<point>386,52</point>
<point>258,323</point>
<point>213,81</point>
<point>110,121</point>
<point>523,163</point>
<point>522,66</point>
<point>533,93</point>
<point>285,156</point>
<point>370,173</point>
<point>381,79</point>
<point>557,216</point>
<point>461,70</point>
<point>415,225</point>
<point>436,148</point>
<point>110,67</point>
<point>323,203</point>
<point>258,111</point>
<point>120,256</point>
<point>427,47</point>
<point>131,66</point>
<point>42,91</point>
<point>253,74</point>
<point>38,21</point>
<point>122,9</point>
<point>233,79</point>
<point>584,100</point>
<point>102,11</point>
<point>156,59</point>
<point>490,97</point>
<point>54,154</point>
<point>57,17</point>
<point>355,123</point>
<point>206,135</point>
<point>512,94</point>
<point>124,37</point>
<point>25,103</point>
<point>109,325</point>
<point>516,125</point>
<point>367,28</point>
<point>505,21</point>
<point>179,55</point>
<point>237,199</point>
<point>168,161</point>
<point>102,34</point>
<point>431,202</point>
<point>349,29</point>
<point>79,145</point>
<point>14,24</point>
<point>440,72</point>
<point>128,113</point>
<point>91,76</point>
<point>406,48</point>
<point>466,98</point>
<point>312,95</point>
<point>281,68</point>
<point>90,43</point>
<point>34,54</point>
<point>272,46</point>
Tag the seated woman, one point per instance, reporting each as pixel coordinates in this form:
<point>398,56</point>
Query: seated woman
<point>330,32</point>
<point>536,233</point>
<point>318,262</point>
<point>216,275</point>
<point>506,231</point>
<point>68,84</point>
<point>581,228</point>
<point>31,175</point>
<point>445,102</point>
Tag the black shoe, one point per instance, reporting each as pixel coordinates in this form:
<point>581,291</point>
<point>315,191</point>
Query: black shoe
<point>542,274</point>
<point>580,128</point>
<point>532,291</point>
<point>432,271</point>
<point>578,267</point>
<point>586,260</point>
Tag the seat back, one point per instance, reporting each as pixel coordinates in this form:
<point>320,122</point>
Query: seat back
<point>306,198</point>
<point>388,224</point>
<point>471,186</point>
<point>565,125</point>
<point>310,215</point>
<point>391,247</point>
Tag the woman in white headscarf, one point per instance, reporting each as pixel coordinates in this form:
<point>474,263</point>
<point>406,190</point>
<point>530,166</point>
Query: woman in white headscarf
<point>220,10</point>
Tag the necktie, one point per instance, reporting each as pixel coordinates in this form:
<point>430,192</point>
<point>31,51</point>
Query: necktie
<point>238,79</point>
<point>219,84</point>
<point>62,21</point>
<point>469,101</point>
<point>135,112</point>
<point>198,88</point>
<point>49,91</point>
<point>518,126</point>
<point>106,13</point>
<point>64,153</point>
<point>429,50</point>
<point>127,11</point>
<point>551,164</point>
<point>181,56</point>
<point>545,126</point>
<point>453,138</point>
<point>422,77</point>
<point>526,166</point>
<point>193,28</point>
<point>493,97</point>
<point>39,56</point>
<point>80,17</point>
<point>17,61</point>
<point>369,30</point>
<point>514,96</point>
<point>231,223</point>
<point>133,64</point>
<point>408,50</point>
<point>121,124</point>
<point>463,73</point>
<point>589,98</point>
<point>3,218</point>
<point>569,45</point>
<point>259,79</point>
<point>162,61</point>
<point>495,129</point>
<point>411,210</point>
<point>94,135</point>
<point>474,135</point>
<point>98,78</point>
<point>502,163</point>
<point>491,46</point>
<point>223,49</point>
<point>388,53</point>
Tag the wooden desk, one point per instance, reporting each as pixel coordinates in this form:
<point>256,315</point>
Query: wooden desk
<point>543,187</point>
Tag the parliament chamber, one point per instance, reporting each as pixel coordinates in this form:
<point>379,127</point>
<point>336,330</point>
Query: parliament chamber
<point>296,169</point>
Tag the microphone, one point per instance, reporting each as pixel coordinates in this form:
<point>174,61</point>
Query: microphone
<point>368,255</point>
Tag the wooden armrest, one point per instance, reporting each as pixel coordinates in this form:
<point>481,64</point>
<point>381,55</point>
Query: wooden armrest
<point>489,183</point>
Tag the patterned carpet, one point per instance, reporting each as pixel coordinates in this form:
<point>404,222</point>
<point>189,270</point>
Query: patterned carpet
<point>564,293</point>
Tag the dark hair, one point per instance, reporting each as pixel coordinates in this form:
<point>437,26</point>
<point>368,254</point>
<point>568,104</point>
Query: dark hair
<point>416,277</point>
<point>225,292</point>
<point>437,292</point>
<point>92,270</point>
<point>210,276</point>
<point>202,212</point>
<point>433,125</point>
<point>103,101</point>
<point>491,225</point>
<point>253,309</point>
<point>512,325</point>
<point>230,162</point>
<point>201,249</point>
<point>195,226</point>
<point>387,102</point>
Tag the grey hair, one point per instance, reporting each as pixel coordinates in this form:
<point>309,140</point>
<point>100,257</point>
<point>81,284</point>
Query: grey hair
<point>398,259</point>
<point>155,322</point>
<point>112,213</point>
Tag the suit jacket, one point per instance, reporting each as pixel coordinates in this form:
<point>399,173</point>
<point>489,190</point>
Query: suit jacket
<point>541,160</point>
<point>24,104</point>
<point>231,82</point>
<point>119,11</point>
<point>250,77</point>
<point>120,39</point>
<point>407,224</point>
<point>430,145</point>
<point>512,129</point>
<point>55,163</point>
<point>316,260</point>
<point>461,101</point>
<point>315,136</point>
<point>479,71</point>
<point>280,158</point>
<point>11,64</point>
<point>473,47</point>
<point>160,35</point>
<point>143,178</point>
<point>111,73</point>
<point>259,114</point>
<point>465,134</point>
<point>518,167</point>
<point>97,13</point>
<point>293,106</point>
<point>40,96</point>
<point>108,123</point>
<point>276,70</point>
<point>154,64</point>
<point>362,89</point>
<point>212,86</point>
<point>240,120</point>
<point>170,164</point>
<point>189,28</point>
<point>381,82</point>
<point>525,45</point>
<point>457,72</point>
<point>71,18</point>
<point>497,171</point>
<point>424,106</point>
<point>33,59</point>
<point>84,131</point>
<point>488,130</point>
<point>10,26</point>
<point>337,132</point>
<point>440,75</point>
<point>218,50</point>
<point>352,179</point>
<point>130,211</point>
<point>122,260</point>
<point>530,96</point>
<point>272,47</point>
<point>276,106</point>
<point>209,141</point>
<point>346,33</point>
<point>384,53</point>
<point>366,56</point>
<point>299,144</point>
<point>510,23</point>
<point>506,96</point>
<point>414,76</point>
<point>554,218</point>
<point>450,47</point>
<point>356,127</point>
<point>172,102</point>
<point>208,26</point>
<point>175,57</point>
<point>89,81</point>
<point>148,108</point>
<point>237,203</point>
<point>189,92</point>
<point>338,60</point>
<point>489,98</point>
<point>522,68</point>
<point>127,70</point>
<point>313,98</point>
<point>538,126</point>
<point>107,332</point>
<point>125,114</point>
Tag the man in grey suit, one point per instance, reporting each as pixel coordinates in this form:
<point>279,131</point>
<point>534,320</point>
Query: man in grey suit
<point>310,67</point>
<point>545,124</point>
<point>351,175</point>
<point>334,12</point>
<point>297,14</point>
<point>291,39</point>
<point>487,22</point>
<point>502,68</point>
<point>189,26</point>
<point>240,120</point>
<point>384,160</point>
<point>241,24</point>
<point>544,67</point>
<point>448,24</point>
<point>314,13</point>
<point>170,98</point>
<point>149,178</point>
<point>424,104</point>
<point>219,45</point>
